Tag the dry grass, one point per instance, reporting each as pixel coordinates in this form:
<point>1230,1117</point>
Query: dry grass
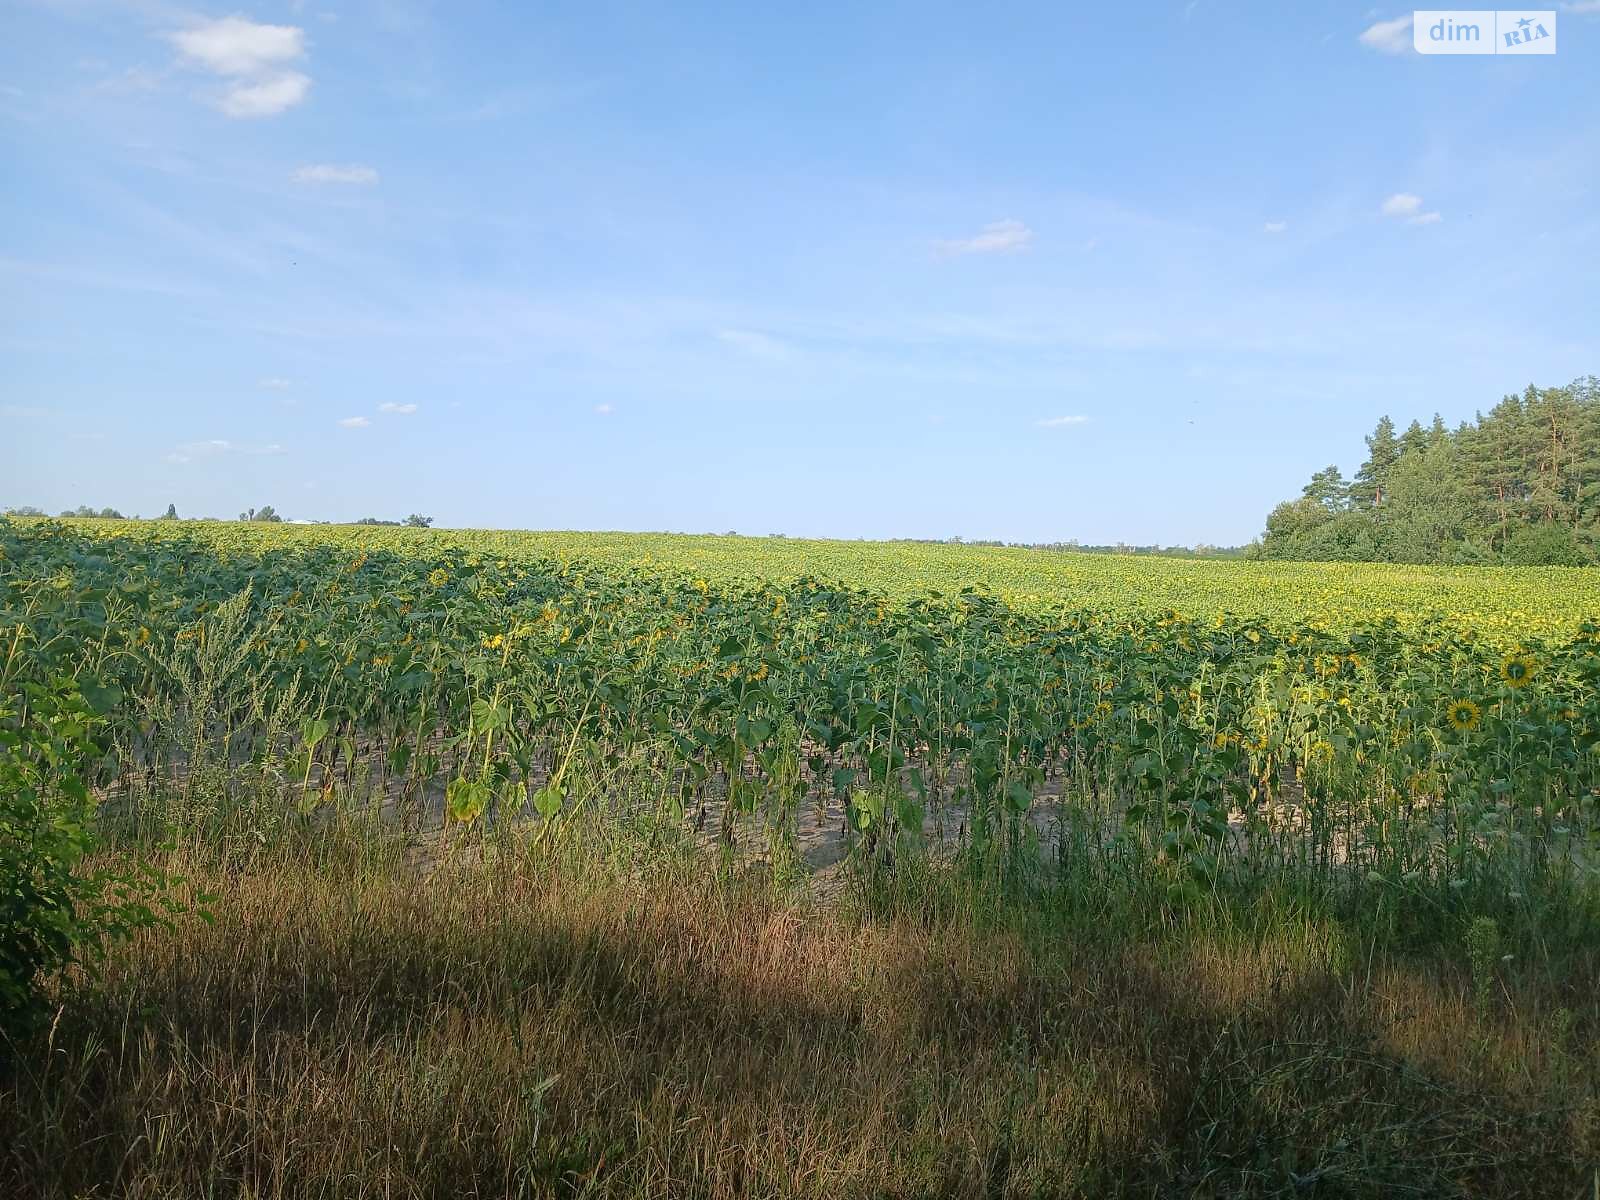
<point>511,1025</point>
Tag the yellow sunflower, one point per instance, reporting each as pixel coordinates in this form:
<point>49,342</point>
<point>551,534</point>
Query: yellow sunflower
<point>438,577</point>
<point>1518,670</point>
<point>1463,715</point>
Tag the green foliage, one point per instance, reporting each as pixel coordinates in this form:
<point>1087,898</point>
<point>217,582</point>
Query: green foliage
<point>54,913</point>
<point>1445,761</point>
<point>1544,545</point>
<point>1521,485</point>
<point>104,514</point>
<point>414,521</point>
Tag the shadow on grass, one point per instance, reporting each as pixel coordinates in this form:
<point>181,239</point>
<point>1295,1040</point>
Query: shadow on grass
<point>506,1031</point>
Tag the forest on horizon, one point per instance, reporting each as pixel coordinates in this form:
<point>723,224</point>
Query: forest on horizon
<point>1518,485</point>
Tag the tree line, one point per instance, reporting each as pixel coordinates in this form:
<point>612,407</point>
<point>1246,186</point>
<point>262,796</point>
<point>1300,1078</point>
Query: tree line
<point>266,513</point>
<point>1519,485</point>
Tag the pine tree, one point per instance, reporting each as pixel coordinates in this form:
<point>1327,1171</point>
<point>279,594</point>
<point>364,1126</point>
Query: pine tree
<point>1328,488</point>
<point>1520,484</point>
<point>1372,480</point>
<point>1414,440</point>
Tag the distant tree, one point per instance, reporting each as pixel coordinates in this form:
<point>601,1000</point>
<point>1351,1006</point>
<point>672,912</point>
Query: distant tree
<point>171,514</point>
<point>265,513</point>
<point>375,521</point>
<point>25,510</point>
<point>1519,484</point>
<point>418,521</point>
<point>1372,480</point>
<point>1428,510</point>
<point>1544,545</point>
<point>1327,488</point>
<point>1414,440</point>
<point>1295,518</point>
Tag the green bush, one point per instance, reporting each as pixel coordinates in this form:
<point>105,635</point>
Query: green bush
<point>1544,545</point>
<point>53,912</point>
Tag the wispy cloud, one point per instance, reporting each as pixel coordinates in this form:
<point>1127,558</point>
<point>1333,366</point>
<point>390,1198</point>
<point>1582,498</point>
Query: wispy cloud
<point>390,407</point>
<point>350,173</point>
<point>253,57</point>
<point>761,345</point>
<point>1388,37</point>
<point>190,452</point>
<point>128,82</point>
<point>1407,207</point>
<point>605,410</point>
<point>1275,227</point>
<point>998,237</point>
<point>354,423</point>
<point>267,98</point>
<point>22,411</point>
<point>1401,204</point>
<point>276,384</point>
<point>1062,422</point>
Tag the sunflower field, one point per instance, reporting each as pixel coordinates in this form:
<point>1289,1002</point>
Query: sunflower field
<point>1391,728</point>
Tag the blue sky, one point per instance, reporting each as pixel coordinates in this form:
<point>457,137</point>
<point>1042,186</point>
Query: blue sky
<point>1031,271</point>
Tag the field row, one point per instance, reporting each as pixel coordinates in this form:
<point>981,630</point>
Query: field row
<point>319,670</point>
<point>1505,605</point>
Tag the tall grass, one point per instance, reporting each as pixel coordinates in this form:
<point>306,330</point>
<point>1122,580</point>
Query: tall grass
<point>606,1017</point>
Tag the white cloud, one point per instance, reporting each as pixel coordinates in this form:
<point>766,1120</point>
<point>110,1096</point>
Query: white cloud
<point>1388,37</point>
<point>403,409</point>
<point>998,237</point>
<point>1062,422</point>
<point>190,451</point>
<point>354,173</point>
<point>276,385</point>
<point>254,57</point>
<point>1408,207</point>
<point>23,410</point>
<point>267,98</point>
<point>216,447</point>
<point>237,46</point>
<point>354,423</point>
<point>1582,6</point>
<point>1275,227</point>
<point>605,410</point>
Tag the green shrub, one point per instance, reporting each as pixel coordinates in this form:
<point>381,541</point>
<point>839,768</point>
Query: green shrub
<point>1544,545</point>
<point>53,912</point>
